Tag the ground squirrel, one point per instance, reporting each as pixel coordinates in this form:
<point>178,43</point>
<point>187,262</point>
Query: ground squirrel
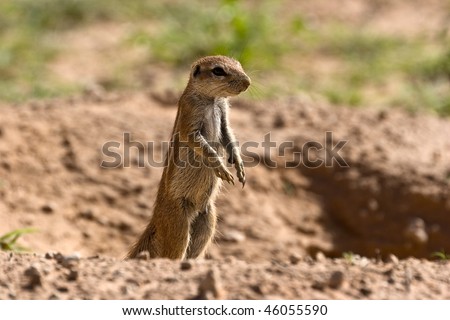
<point>184,216</point>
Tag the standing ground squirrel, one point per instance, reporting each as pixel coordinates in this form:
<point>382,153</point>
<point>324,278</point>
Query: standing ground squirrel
<point>184,216</point>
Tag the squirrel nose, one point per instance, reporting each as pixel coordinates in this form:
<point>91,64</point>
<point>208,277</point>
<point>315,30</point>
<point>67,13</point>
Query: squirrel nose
<point>246,82</point>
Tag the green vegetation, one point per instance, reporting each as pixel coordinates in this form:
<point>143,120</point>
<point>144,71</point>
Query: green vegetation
<point>28,30</point>
<point>348,256</point>
<point>8,242</point>
<point>347,65</point>
<point>224,27</point>
<point>441,255</point>
<point>380,69</point>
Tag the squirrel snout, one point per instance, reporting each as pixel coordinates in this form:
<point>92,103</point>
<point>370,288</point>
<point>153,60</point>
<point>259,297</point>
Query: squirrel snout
<point>245,83</point>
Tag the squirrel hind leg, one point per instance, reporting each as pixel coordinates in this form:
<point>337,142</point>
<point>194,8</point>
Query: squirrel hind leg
<point>167,235</point>
<point>202,231</point>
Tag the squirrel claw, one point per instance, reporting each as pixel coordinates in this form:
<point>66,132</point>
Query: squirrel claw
<point>225,175</point>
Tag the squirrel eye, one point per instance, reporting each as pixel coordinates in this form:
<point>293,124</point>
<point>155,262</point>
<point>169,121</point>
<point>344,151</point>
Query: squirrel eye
<point>218,71</point>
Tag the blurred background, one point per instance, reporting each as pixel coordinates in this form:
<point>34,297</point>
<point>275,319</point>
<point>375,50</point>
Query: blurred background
<point>354,53</point>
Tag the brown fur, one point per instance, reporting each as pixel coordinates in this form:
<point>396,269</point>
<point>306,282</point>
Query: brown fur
<point>184,216</point>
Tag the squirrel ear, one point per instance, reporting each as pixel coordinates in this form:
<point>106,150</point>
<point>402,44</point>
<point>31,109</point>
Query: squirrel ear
<point>196,71</point>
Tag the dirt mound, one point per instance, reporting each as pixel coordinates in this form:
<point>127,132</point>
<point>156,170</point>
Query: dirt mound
<point>391,197</point>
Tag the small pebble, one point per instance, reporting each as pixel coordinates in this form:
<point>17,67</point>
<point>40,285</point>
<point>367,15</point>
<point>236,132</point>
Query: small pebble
<point>86,214</point>
<point>392,259</point>
<point>295,258</point>
<point>382,115</point>
<point>279,121</point>
<point>336,279</point>
<point>416,231</point>
<point>230,260</point>
<point>62,289</point>
<point>171,279</point>
<point>210,287</point>
<point>318,285</point>
<point>418,276</point>
<point>33,276</point>
<point>48,208</point>
<point>49,255</point>
<point>74,256</point>
<point>67,261</point>
<point>124,226</point>
<point>233,236</point>
<point>46,270</point>
<point>365,291</point>
<point>86,235</point>
<point>258,288</point>
<point>73,275</point>
<point>186,265</point>
<point>320,256</point>
<point>143,255</point>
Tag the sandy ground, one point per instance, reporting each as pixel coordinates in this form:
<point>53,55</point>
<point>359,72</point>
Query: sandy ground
<point>391,199</point>
<point>68,277</point>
